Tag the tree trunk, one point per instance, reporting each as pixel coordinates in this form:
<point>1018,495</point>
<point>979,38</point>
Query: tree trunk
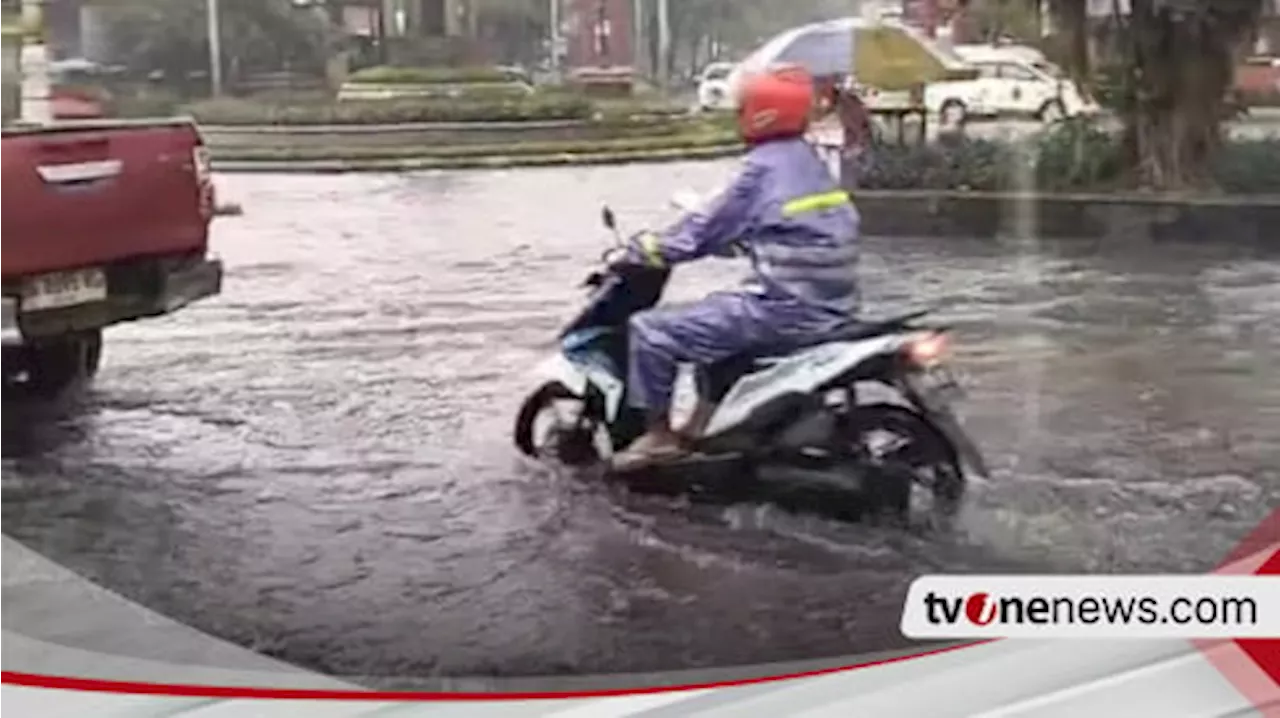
<point>1182,70</point>
<point>655,48</point>
<point>673,49</point>
<point>1073,20</point>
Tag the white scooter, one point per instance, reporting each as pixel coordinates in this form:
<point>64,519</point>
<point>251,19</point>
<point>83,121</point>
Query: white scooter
<point>793,417</point>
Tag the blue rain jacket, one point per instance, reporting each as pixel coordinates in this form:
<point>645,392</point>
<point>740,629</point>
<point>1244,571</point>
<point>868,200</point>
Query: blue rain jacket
<point>798,227</point>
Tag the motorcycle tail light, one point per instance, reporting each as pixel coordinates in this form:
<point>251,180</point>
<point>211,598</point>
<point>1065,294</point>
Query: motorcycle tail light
<point>928,350</point>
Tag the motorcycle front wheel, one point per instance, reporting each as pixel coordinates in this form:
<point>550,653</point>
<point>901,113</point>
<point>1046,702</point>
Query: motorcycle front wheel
<point>573,436</point>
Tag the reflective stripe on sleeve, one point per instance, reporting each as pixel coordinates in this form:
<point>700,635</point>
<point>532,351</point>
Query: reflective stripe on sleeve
<point>816,202</point>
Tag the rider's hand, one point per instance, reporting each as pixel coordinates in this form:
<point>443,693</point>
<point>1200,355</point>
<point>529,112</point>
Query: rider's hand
<point>634,253</point>
<point>732,250</point>
<point>618,259</point>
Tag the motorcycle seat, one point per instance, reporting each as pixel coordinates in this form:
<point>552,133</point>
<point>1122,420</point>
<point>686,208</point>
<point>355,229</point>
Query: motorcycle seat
<point>853,331</point>
<point>722,374</point>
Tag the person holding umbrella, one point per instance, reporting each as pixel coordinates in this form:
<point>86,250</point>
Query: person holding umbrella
<point>838,95</point>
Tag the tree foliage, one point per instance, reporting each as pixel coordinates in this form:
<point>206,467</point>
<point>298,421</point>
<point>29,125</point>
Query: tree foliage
<point>171,36</point>
<point>706,30</point>
<point>700,29</point>
<point>994,19</point>
<point>1170,66</point>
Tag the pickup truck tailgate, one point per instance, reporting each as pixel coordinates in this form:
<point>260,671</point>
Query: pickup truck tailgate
<point>92,194</point>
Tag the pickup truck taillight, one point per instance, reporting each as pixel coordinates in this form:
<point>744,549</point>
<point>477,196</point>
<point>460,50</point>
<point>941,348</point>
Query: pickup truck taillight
<point>204,180</point>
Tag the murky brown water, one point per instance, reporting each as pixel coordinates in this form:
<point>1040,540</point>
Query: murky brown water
<point>317,463</point>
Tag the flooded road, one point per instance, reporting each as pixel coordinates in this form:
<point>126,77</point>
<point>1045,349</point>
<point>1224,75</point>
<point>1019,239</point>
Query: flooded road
<point>317,464</point>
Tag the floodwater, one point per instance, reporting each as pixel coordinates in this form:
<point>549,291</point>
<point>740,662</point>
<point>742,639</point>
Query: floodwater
<point>317,464</point>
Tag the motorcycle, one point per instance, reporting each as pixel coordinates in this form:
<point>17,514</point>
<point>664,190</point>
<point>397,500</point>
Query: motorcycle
<point>793,416</point>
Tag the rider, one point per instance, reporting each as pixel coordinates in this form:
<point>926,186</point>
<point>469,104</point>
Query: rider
<point>786,211</point>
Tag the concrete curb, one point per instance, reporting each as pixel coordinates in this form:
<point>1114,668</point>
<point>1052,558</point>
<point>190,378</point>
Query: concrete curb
<point>228,209</point>
<point>57,623</point>
<point>1239,219</point>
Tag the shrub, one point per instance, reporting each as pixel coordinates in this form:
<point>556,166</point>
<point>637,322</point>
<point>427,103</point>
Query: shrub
<point>978,165</point>
<point>1249,166</point>
<point>360,91</point>
<point>384,75</point>
<point>248,112</point>
<point>1260,98</point>
<point>647,103</point>
<point>1073,157</point>
<point>1077,153</point>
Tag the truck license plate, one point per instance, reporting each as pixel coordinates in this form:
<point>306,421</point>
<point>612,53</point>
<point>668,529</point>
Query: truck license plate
<point>64,289</point>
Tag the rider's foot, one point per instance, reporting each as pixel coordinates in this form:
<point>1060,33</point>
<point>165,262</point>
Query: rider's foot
<point>697,423</point>
<point>654,447</point>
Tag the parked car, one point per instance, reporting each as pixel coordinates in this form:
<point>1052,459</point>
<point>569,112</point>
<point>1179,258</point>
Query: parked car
<point>1257,82</point>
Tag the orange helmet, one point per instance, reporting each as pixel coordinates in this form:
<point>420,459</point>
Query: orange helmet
<point>775,104</point>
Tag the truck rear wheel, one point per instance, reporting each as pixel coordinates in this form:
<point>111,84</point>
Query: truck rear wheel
<point>48,368</point>
<point>953,114</point>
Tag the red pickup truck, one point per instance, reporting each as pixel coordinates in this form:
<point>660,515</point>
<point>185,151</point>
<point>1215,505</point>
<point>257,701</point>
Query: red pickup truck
<point>108,222</point>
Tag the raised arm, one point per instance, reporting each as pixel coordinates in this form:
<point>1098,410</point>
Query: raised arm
<point>710,231</point>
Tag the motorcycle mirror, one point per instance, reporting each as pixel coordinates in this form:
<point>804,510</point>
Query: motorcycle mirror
<point>610,221</point>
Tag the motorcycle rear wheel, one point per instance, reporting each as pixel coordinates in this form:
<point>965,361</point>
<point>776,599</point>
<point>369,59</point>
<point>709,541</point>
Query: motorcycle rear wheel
<point>921,449</point>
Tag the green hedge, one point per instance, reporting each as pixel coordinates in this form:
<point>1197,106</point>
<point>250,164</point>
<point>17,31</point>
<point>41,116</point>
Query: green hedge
<point>378,112</point>
<point>485,107</point>
<point>1260,99</point>
<point>470,91</point>
<point>691,141</point>
<point>1075,157</point>
<point>432,75</point>
<point>459,163</point>
<point>644,103</point>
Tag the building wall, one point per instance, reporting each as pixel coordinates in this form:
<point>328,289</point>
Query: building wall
<point>10,77</point>
<point>95,41</point>
<point>427,18</point>
<point>61,20</point>
<point>599,33</point>
<point>1105,8</point>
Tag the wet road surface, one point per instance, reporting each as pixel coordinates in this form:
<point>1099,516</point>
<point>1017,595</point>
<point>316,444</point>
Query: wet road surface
<point>317,464</point>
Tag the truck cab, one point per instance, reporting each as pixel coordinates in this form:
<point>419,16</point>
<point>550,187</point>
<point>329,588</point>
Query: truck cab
<point>713,87</point>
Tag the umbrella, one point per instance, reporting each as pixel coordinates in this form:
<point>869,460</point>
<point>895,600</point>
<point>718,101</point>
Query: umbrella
<point>884,54</point>
<point>74,64</point>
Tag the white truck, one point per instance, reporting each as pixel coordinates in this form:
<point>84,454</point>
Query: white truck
<point>1013,81</point>
<point>713,87</point>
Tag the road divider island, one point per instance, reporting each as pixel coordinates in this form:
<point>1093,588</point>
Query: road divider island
<point>387,119</point>
<point>1073,178</point>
